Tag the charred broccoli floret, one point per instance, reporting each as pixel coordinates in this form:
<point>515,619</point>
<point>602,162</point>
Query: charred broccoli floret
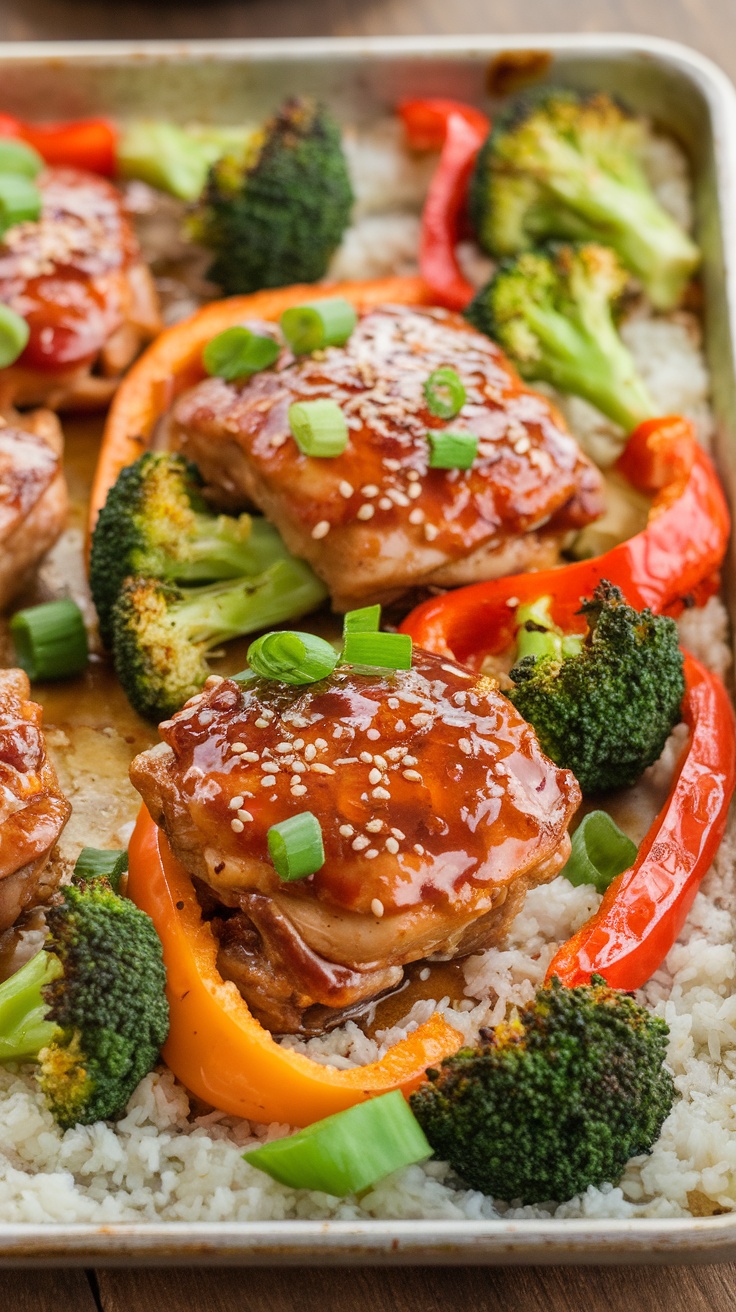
<point>91,1007</point>
<point>552,312</point>
<point>156,524</point>
<point>161,634</point>
<point>570,166</point>
<point>274,212</point>
<point>555,1101</point>
<point>606,711</point>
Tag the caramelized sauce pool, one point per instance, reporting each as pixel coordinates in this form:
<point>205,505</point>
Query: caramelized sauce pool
<point>445,980</point>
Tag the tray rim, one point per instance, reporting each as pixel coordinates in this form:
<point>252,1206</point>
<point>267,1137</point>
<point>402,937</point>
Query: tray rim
<point>441,1242</point>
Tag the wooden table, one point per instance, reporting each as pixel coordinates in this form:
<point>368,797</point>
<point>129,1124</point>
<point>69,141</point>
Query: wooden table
<point>705,24</point>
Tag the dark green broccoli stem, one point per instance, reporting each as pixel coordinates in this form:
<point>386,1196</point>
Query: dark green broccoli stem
<point>209,616</point>
<point>24,1028</point>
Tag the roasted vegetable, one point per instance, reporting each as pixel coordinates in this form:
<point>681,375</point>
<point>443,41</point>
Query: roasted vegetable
<point>274,212</point>
<point>554,1101</point>
<point>571,166</point>
<point>552,311</point>
<point>90,1008</point>
<point>606,712</point>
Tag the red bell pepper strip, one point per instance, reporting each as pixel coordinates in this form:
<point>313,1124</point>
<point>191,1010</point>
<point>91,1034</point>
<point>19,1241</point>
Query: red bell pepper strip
<point>645,908</point>
<point>675,558</point>
<point>89,143</point>
<point>460,131</point>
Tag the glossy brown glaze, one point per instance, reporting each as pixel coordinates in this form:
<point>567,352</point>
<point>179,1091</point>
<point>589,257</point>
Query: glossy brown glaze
<point>435,804</point>
<point>33,505</point>
<point>376,519</point>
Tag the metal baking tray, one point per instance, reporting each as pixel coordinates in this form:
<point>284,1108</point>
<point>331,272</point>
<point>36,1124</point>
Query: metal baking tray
<point>362,77</point>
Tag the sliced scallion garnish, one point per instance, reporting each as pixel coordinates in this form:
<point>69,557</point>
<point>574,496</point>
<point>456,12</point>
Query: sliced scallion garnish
<point>295,846</point>
<point>238,353</point>
<point>292,657</point>
<point>451,450</point>
<point>444,393</point>
<point>14,334</point>
<point>319,428</point>
<point>365,620</point>
<point>385,651</point>
<point>50,640</point>
<point>20,200</point>
<point>317,324</point>
<point>17,157</point>
<point>348,1152</point>
<point>600,852</point>
<point>97,863</point>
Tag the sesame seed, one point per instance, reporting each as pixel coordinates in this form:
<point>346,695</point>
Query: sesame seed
<point>398,833</point>
<point>377,908</point>
<point>237,826</point>
<point>392,846</point>
<point>409,760</point>
<point>346,830</point>
<point>414,490</point>
<point>394,703</point>
<point>373,734</point>
<point>370,490</point>
<point>501,768</point>
<point>298,744</point>
<point>260,724</point>
<point>299,767</point>
<point>395,753</point>
<point>374,777</point>
<point>416,516</point>
<point>381,795</point>
<point>238,748</point>
<point>213,680</point>
<point>399,726</point>
<point>425,974</point>
<point>381,762</point>
<point>522,446</point>
<point>371,853</point>
<point>385,503</point>
<point>366,758</point>
<point>360,842</point>
<point>462,674</point>
<point>393,465</point>
<point>298,790</point>
<point>412,775</point>
<point>430,532</point>
<point>420,719</point>
<point>345,489</point>
<point>419,849</point>
<point>466,746</point>
<point>366,511</point>
<point>310,751</point>
<point>284,747</point>
<point>374,826</point>
<point>412,475</point>
<point>512,603</point>
<point>398,498</point>
<point>322,529</point>
<point>250,756</point>
<point>244,815</point>
<point>236,802</point>
<point>320,743</point>
<point>270,767</point>
<point>267,780</point>
<point>318,768</point>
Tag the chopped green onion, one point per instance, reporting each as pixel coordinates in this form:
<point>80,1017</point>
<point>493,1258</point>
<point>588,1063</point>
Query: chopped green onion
<point>319,428</point>
<point>14,334</point>
<point>317,324</point>
<point>348,1152</point>
<point>295,846</point>
<point>451,450</point>
<point>20,200</point>
<point>238,353</point>
<point>292,657</point>
<point>96,863</point>
<point>365,620</point>
<point>444,393</point>
<point>17,157</point>
<point>387,651</point>
<point>600,852</point>
<point>50,640</point>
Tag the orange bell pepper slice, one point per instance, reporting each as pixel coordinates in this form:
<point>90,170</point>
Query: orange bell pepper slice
<point>174,362</point>
<point>217,1048</point>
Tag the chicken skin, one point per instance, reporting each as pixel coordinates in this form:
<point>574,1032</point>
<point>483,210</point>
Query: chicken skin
<point>438,811</point>
<point>377,520</point>
<point>76,276</point>
<point>33,810</point>
<point>33,499</point>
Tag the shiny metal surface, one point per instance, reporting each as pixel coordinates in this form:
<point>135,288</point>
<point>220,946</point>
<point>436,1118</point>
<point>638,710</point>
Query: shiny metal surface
<point>228,80</point>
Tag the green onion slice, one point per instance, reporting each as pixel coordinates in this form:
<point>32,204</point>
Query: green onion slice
<point>295,846</point>
<point>317,324</point>
<point>20,200</point>
<point>348,1152</point>
<point>319,428</point>
<point>444,393</point>
<point>14,334</point>
<point>600,852</point>
<point>50,640</point>
<point>451,450</point>
<point>292,657</point>
<point>17,157</point>
<point>387,651</point>
<point>238,353</point>
<point>365,620</point>
<point>96,863</point>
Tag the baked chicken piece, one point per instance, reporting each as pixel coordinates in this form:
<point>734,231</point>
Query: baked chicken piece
<point>33,498</point>
<point>33,810</point>
<point>437,807</point>
<point>76,276</point>
<point>377,520</point>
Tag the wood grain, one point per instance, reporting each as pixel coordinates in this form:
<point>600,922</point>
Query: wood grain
<point>47,1291</point>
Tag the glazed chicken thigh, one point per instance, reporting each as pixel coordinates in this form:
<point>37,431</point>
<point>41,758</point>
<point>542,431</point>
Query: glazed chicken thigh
<point>377,520</point>
<point>438,811</point>
<point>33,498</point>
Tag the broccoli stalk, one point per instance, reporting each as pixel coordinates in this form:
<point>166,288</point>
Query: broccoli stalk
<point>173,158</point>
<point>161,634</point>
<point>568,166</point>
<point>552,312</point>
<point>554,1101</point>
<point>604,711</point>
<point>90,1008</point>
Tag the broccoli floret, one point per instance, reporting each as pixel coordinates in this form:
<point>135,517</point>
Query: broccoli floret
<point>161,634</point>
<point>555,1101</point>
<point>274,212</point>
<point>91,1007</point>
<point>552,312</point>
<point>606,712</point>
<point>156,524</point>
<point>570,166</point>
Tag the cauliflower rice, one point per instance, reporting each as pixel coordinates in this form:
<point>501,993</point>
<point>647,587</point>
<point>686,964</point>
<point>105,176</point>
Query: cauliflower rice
<point>167,1159</point>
